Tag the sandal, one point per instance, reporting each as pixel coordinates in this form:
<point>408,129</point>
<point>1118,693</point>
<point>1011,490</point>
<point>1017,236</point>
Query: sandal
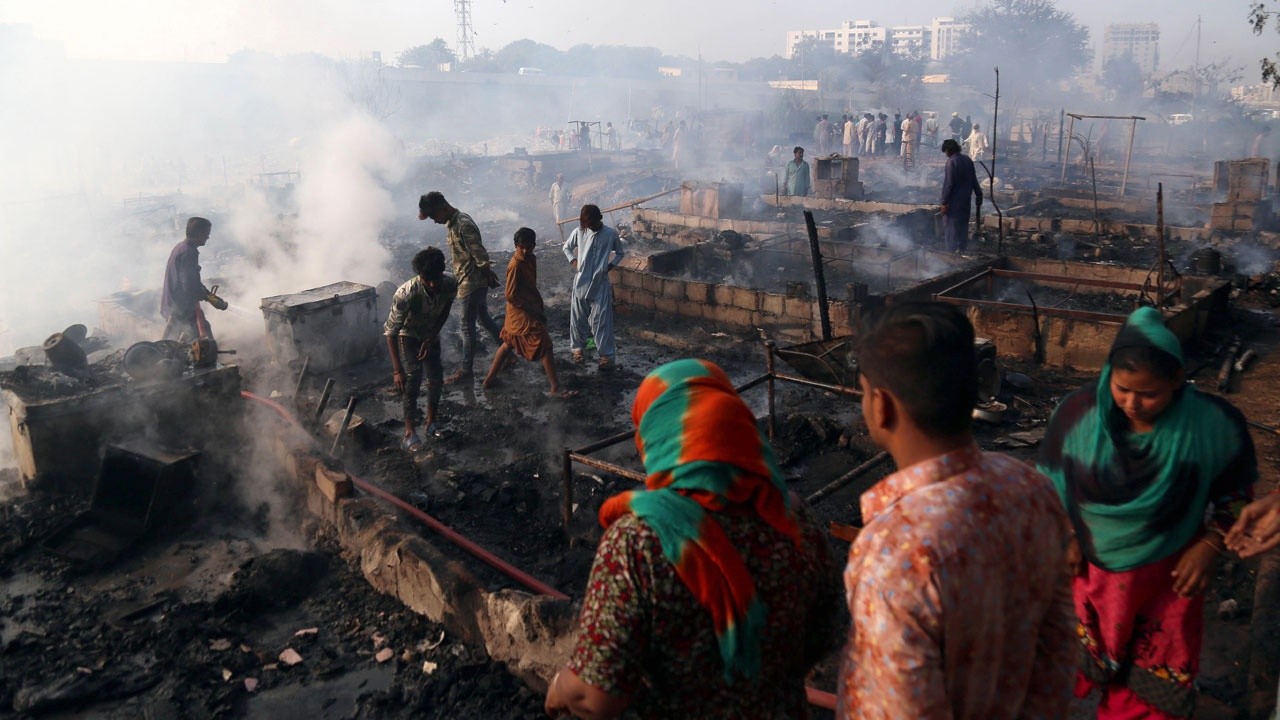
<point>562,394</point>
<point>411,443</point>
<point>458,376</point>
<point>607,365</point>
<point>578,357</point>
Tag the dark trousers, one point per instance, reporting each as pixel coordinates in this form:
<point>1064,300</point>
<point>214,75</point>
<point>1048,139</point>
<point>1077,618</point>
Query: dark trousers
<point>413,367</point>
<point>475,307</point>
<point>956,228</point>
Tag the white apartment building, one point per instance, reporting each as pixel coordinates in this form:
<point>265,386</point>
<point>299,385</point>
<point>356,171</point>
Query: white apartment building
<point>945,35</point>
<point>935,41</point>
<point>1141,41</point>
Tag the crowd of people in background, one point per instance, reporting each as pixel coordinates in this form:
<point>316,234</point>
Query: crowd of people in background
<point>979,587</point>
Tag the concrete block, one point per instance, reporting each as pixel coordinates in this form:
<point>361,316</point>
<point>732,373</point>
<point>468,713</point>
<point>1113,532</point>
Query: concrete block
<point>691,309</point>
<point>722,294</point>
<point>730,315</point>
<point>798,308</point>
<point>746,299</point>
<point>634,262</point>
<point>698,292</point>
<point>643,299</point>
<point>667,305</point>
<point>772,304</point>
<point>673,289</point>
<point>359,520</point>
<point>651,283</point>
<point>334,484</point>
<point>532,635</point>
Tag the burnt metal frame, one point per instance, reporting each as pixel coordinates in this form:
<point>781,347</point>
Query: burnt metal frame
<point>991,273</point>
<point>769,378</point>
<point>1128,158</point>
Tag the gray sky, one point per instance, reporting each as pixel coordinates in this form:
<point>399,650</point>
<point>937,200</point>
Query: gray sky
<point>209,30</point>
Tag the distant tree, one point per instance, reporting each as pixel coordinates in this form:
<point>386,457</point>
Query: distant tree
<point>1123,77</point>
<point>1259,15</point>
<point>527,53</point>
<point>1032,41</point>
<point>430,56</point>
<point>891,78</point>
<point>771,68</point>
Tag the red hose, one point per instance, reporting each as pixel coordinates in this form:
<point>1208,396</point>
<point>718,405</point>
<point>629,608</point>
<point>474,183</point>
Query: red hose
<point>815,697</point>
<point>449,533</point>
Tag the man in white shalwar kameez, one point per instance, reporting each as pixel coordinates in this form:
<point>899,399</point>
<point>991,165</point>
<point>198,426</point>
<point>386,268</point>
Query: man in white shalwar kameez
<point>592,248</point>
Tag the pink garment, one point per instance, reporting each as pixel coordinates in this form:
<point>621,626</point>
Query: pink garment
<point>960,603</point>
<point>1134,620</point>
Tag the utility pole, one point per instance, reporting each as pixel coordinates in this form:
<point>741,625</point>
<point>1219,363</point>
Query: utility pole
<point>1195,98</point>
<point>466,48</point>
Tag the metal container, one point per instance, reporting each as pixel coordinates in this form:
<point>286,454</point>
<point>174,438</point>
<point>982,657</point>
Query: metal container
<point>1206,261</point>
<point>138,488</point>
<point>336,325</point>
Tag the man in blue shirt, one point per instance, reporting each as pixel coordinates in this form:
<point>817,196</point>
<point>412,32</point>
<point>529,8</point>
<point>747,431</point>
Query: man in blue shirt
<point>960,181</point>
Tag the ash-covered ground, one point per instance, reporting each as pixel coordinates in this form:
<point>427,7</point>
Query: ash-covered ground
<point>253,610</point>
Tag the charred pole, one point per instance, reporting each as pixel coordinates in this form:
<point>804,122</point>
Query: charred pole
<point>816,253</point>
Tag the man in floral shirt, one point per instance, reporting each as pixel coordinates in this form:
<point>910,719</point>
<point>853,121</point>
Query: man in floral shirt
<point>960,604</point>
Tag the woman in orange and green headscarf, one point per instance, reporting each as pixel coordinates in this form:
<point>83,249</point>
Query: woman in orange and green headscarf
<point>711,593</point>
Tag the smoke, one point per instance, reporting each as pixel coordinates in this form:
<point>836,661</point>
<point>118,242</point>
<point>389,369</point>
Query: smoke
<point>327,232</point>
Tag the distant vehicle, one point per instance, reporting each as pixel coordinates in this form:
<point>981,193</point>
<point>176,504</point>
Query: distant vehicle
<point>530,71</point>
<point>1180,118</point>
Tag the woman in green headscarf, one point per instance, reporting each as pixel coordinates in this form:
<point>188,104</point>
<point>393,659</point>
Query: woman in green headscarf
<point>1138,457</point>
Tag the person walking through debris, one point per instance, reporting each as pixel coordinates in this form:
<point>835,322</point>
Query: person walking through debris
<point>959,606</point>
<point>472,271</point>
<point>679,145</point>
<point>956,125</point>
<point>850,132</point>
<point>908,148</point>
<point>183,290</point>
<point>611,136</point>
<point>711,594</point>
<point>419,309</point>
<point>797,181</point>
<point>977,143</point>
<point>592,249</point>
<point>524,330</point>
<point>931,130</point>
<point>1138,457</point>
<point>557,196</point>
<point>960,180</point>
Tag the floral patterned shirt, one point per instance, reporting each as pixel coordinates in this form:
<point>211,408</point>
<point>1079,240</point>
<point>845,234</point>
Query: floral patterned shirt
<point>642,631</point>
<point>959,596</point>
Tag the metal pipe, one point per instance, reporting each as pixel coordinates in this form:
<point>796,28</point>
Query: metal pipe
<point>602,444</point>
<point>1160,242</point>
<point>629,203</point>
<point>1071,129</point>
<point>824,313</point>
<point>342,430</point>
<point>847,478</point>
<point>840,389</point>
<point>1053,312</point>
<point>566,492</point>
<point>297,388</point>
<point>324,400</point>
<point>608,467</point>
<point>1133,130</point>
<point>769,347</point>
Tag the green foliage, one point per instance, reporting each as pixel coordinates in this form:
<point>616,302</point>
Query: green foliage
<point>1259,15</point>
<point>1123,77</point>
<point>1032,41</point>
<point>429,56</point>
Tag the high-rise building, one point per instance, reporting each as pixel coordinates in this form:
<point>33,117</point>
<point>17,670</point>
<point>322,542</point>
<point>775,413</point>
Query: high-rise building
<point>1140,41</point>
<point>934,41</point>
<point>945,34</point>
